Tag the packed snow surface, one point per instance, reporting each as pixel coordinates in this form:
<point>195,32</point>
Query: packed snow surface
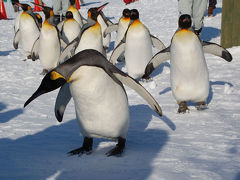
<point>196,145</point>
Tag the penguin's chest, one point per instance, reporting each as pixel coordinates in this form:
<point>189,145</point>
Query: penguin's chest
<point>138,50</point>
<point>122,28</point>
<point>28,30</point>
<point>49,47</point>
<point>101,104</point>
<point>91,39</point>
<point>71,30</point>
<point>189,73</point>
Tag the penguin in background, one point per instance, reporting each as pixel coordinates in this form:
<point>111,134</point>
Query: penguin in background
<point>188,71</point>
<point>90,78</point>
<point>90,36</point>
<point>120,27</point>
<point>137,45</point>
<point>76,14</point>
<point>48,46</point>
<point>28,30</point>
<point>105,23</point>
<point>70,29</point>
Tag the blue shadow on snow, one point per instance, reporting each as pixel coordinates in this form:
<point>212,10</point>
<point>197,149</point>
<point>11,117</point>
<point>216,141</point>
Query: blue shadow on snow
<point>43,154</point>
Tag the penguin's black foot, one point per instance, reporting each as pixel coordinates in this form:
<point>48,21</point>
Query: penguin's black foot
<point>29,57</point>
<point>183,107</point>
<point>201,106</point>
<point>85,149</point>
<point>118,149</point>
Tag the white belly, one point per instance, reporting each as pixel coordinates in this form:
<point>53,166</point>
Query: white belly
<point>71,30</point>
<point>90,40</point>
<point>49,49</point>
<point>122,28</point>
<point>189,73</point>
<point>101,104</point>
<point>29,32</point>
<point>138,51</point>
<point>106,40</point>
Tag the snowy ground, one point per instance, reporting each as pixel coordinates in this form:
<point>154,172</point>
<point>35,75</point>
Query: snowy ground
<point>198,145</point>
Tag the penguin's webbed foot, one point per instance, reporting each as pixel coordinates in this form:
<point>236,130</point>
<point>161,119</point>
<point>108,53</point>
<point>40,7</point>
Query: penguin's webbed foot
<point>183,107</point>
<point>85,149</point>
<point>201,106</point>
<point>118,149</point>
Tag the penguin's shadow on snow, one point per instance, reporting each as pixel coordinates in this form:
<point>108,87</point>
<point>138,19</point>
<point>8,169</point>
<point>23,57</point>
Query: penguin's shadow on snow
<point>8,115</point>
<point>208,33</point>
<point>43,154</point>
<point>6,53</point>
<point>211,84</point>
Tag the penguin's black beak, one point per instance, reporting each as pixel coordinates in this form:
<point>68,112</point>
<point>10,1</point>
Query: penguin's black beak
<point>50,82</point>
<point>101,7</point>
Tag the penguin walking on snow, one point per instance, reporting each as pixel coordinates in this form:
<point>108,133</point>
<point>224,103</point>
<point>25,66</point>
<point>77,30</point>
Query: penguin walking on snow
<point>90,36</point>
<point>99,96</point>
<point>137,44</point>
<point>28,30</point>
<point>188,71</point>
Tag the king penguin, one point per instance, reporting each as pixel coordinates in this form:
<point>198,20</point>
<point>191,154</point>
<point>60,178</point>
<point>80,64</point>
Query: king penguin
<point>90,36</point>
<point>70,29</point>
<point>76,14</point>
<point>100,99</point>
<point>188,69</point>
<point>28,31</point>
<point>121,27</point>
<point>49,43</point>
<point>137,44</point>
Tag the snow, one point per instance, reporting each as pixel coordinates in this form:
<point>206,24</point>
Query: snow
<point>196,145</point>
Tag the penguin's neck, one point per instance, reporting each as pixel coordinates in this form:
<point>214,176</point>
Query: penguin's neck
<point>125,19</point>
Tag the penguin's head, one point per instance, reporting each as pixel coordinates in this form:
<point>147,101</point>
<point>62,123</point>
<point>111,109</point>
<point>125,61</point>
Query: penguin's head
<point>94,12</point>
<point>50,82</point>
<point>134,14</point>
<point>72,2</point>
<point>48,12</point>
<point>69,15</point>
<point>25,7</point>
<point>126,13</point>
<point>185,21</point>
<point>39,19</point>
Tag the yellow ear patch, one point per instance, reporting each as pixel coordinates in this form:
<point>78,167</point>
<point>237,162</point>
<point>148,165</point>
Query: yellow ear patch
<point>55,75</point>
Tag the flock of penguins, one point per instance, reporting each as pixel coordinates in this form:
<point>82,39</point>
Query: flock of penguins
<point>73,56</point>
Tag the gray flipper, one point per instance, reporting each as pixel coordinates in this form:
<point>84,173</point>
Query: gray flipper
<point>110,29</point>
<point>158,59</point>
<point>60,26</point>
<point>63,98</point>
<point>90,57</point>
<point>117,52</point>
<point>157,43</point>
<point>63,43</point>
<point>217,50</point>
<point>34,51</point>
<point>133,84</point>
<point>16,39</point>
<point>69,50</point>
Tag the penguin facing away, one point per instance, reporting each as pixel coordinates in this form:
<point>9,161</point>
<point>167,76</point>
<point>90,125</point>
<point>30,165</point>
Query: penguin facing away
<point>90,78</point>
<point>28,31</point>
<point>90,36</point>
<point>137,45</point>
<point>188,71</point>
